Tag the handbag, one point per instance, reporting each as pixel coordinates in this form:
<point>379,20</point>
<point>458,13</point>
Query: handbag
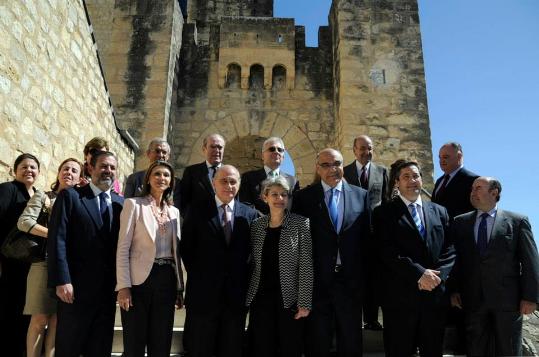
<point>26,247</point>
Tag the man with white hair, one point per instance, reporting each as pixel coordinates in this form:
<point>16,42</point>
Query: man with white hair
<point>273,152</point>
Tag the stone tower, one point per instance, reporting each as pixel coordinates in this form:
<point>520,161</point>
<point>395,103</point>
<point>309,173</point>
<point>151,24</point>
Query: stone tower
<point>379,78</point>
<point>248,75</point>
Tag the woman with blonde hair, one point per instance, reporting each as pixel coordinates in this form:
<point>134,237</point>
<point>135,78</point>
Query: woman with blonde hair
<point>39,303</point>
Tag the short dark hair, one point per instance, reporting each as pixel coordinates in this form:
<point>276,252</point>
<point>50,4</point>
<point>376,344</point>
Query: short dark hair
<point>96,154</point>
<point>404,164</point>
<point>146,189</point>
<point>494,184</point>
<point>95,143</point>
<point>23,157</point>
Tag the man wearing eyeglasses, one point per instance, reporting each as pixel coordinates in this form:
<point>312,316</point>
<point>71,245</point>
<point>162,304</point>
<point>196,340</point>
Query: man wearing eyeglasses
<point>158,149</point>
<point>273,152</point>
<point>340,226</point>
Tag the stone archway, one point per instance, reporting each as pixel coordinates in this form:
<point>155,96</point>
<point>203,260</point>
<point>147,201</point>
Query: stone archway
<point>245,131</point>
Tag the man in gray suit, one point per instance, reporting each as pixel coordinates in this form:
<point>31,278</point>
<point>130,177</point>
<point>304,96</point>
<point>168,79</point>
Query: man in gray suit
<point>273,152</point>
<point>364,173</point>
<point>158,149</point>
<point>496,275</point>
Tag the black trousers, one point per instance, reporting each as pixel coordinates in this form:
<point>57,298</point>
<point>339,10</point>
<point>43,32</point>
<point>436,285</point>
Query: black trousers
<point>214,332</point>
<point>13,324</point>
<point>86,328</point>
<point>404,329</point>
<point>494,333</point>
<point>343,310</point>
<point>272,329</point>
<point>149,322</point>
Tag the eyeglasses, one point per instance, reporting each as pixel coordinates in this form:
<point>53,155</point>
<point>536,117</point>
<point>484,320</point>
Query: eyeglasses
<point>327,165</point>
<point>275,148</point>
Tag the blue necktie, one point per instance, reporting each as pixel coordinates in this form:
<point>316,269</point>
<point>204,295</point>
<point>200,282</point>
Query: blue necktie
<point>482,238</point>
<point>417,220</point>
<point>333,210</point>
<point>104,209</point>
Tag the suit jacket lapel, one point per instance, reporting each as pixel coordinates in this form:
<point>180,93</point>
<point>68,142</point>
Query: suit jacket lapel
<point>147,218</point>
<point>373,175</point>
<point>498,229</point>
<point>322,207</point>
<point>428,214</point>
<point>354,174</point>
<point>348,219</point>
<point>89,201</point>
<point>205,178</point>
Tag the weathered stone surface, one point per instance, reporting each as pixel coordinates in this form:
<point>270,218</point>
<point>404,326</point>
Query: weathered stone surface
<point>34,89</point>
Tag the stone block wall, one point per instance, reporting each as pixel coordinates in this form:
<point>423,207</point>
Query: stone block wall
<point>143,41</point>
<point>379,79</point>
<point>302,116</point>
<point>52,94</point>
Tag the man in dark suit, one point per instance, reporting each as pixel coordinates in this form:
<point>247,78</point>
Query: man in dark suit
<point>340,224</point>
<point>215,250</point>
<point>196,182</point>
<point>416,257</point>
<point>373,178</point>
<point>496,273</point>
<point>82,240</point>
<point>452,190</point>
<point>273,152</point>
<point>158,149</point>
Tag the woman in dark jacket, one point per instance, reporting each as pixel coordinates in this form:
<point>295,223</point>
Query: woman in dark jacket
<point>281,285</point>
<point>13,198</point>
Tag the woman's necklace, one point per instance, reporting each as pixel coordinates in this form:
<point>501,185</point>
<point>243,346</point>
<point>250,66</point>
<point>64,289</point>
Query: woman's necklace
<point>160,214</point>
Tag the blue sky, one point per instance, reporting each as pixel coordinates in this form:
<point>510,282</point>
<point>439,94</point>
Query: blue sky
<point>482,71</point>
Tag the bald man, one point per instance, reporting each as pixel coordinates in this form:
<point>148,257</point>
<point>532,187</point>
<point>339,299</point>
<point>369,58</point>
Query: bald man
<point>340,225</point>
<point>496,273</point>
<point>215,251</point>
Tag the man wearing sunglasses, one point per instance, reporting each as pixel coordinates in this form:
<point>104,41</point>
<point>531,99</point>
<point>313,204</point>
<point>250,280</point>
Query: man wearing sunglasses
<point>273,152</point>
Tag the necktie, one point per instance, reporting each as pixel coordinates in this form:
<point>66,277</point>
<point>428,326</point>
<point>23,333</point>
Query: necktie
<point>333,210</point>
<point>417,220</point>
<point>104,209</point>
<point>227,225</point>
<point>213,171</point>
<point>442,186</point>
<point>482,238</point>
<point>273,174</point>
<point>364,180</point>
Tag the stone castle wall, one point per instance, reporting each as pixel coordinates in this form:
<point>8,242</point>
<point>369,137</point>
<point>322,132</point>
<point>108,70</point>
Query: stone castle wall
<point>142,41</point>
<point>380,80</point>
<point>246,114</point>
<point>52,94</point>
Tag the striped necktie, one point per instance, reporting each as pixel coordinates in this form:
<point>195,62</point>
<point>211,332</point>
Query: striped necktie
<point>417,220</point>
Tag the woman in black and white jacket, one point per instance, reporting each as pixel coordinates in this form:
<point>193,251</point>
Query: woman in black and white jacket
<point>281,284</point>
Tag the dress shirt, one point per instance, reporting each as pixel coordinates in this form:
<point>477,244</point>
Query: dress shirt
<point>163,241</point>
<point>268,170</point>
<point>490,222</point>
<point>96,190</point>
<point>210,169</point>
<point>419,209</point>
<point>359,168</point>
<point>230,209</point>
<point>451,175</point>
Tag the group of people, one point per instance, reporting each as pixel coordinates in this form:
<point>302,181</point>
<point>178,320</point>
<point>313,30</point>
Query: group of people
<point>312,266</point>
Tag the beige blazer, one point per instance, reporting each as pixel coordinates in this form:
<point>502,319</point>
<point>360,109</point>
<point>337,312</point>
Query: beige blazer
<point>136,243</point>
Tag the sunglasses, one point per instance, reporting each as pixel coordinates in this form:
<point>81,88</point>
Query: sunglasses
<point>275,148</point>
